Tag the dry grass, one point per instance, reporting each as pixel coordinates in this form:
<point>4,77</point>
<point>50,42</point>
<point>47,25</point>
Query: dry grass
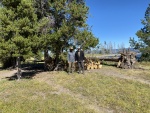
<point>31,96</point>
<point>109,92</point>
<point>97,91</point>
<point>142,71</point>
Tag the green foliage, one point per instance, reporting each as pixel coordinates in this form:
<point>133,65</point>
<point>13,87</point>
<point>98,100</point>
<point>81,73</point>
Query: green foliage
<point>17,29</point>
<point>144,33</point>
<point>28,26</point>
<point>145,54</point>
<point>135,44</point>
<point>144,37</point>
<point>86,39</point>
<point>67,23</point>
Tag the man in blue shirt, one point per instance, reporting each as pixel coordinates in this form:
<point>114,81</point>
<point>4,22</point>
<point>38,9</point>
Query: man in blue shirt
<point>71,60</point>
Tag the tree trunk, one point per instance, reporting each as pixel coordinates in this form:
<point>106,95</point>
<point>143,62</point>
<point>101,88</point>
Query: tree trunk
<point>56,59</point>
<point>56,62</point>
<point>46,59</point>
<point>18,68</point>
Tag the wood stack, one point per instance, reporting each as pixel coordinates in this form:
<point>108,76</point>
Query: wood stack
<point>127,60</point>
<point>92,63</point>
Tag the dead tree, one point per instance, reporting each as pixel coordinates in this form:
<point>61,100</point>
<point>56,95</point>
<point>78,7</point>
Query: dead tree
<point>127,60</point>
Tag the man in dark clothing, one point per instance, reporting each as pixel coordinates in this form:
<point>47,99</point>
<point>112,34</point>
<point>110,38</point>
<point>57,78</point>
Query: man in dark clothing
<point>79,58</point>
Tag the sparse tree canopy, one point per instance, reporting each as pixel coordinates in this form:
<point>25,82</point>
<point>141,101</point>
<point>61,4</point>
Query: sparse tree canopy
<point>144,37</point>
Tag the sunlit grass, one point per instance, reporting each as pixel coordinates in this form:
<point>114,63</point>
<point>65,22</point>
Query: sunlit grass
<point>144,65</point>
<point>30,96</point>
<point>117,94</point>
<point>142,70</point>
<point>42,95</point>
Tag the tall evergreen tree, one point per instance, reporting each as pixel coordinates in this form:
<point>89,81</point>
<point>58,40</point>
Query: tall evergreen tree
<point>68,23</point>
<point>144,37</point>
<point>47,25</point>
<point>18,34</point>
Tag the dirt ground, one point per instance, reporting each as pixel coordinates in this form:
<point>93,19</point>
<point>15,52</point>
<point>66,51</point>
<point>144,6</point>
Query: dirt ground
<point>129,74</point>
<point>7,73</point>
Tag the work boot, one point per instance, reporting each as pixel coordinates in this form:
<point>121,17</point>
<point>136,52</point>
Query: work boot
<point>83,72</point>
<point>68,73</point>
<point>79,72</point>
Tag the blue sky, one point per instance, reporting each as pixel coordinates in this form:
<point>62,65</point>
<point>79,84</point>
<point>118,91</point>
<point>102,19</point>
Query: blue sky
<point>116,21</point>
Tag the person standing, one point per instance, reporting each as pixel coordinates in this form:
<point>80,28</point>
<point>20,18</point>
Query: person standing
<point>79,58</point>
<point>71,60</point>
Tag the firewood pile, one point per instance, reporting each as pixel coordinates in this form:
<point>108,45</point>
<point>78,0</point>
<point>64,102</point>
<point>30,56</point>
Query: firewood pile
<point>127,60</point>
<point>92,63</point>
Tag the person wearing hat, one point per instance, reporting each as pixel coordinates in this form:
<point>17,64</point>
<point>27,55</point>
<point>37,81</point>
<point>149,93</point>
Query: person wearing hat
<point>79,58</point>
<point>71,60</point>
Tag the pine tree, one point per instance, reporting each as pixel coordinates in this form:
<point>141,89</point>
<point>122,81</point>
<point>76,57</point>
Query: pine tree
<point>27,26</point>
<point>68,24</point>
<point>46,21</point>
<point>144,37</point>
<point>18,30</point>
<point>72,26</point>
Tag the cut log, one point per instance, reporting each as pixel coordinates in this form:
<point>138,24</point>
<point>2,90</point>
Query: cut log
<point>99,66</point>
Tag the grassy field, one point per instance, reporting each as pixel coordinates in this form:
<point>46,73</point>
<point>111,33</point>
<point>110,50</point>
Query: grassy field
<point>31,96</point>
<point>114,93</point>
<point>98,91</point>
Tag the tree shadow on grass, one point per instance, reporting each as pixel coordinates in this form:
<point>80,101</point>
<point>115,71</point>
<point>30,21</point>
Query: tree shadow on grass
<point>25,75</point>
<point>28,72</point>
<point>108,63</point>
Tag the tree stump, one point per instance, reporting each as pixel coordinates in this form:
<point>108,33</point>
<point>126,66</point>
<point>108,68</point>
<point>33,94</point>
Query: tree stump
<point>127,60</point>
